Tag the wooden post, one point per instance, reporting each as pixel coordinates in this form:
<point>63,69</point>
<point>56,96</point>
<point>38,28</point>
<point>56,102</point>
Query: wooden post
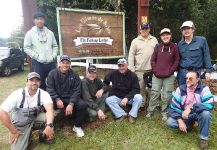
<point>143,12</point>
<point>29,7</point>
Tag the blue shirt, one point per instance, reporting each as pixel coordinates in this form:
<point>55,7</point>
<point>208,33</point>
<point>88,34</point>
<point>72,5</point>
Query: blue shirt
<point>195,54</point>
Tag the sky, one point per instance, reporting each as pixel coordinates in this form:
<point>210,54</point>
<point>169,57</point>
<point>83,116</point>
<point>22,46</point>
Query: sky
<point>11,16</point>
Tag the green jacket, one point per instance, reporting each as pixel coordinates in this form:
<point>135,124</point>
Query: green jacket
<point>88,91</point>
<point>45,49</point>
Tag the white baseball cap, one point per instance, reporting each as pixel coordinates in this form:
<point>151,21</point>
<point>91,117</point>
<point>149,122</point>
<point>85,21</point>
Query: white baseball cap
<point>165,30</point>
<point>187,24</point>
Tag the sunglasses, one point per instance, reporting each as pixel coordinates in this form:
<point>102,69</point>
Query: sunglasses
<point>189,78</point>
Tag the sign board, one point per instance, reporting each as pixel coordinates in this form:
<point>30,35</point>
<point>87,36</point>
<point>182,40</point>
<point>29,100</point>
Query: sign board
<point>88,34</point>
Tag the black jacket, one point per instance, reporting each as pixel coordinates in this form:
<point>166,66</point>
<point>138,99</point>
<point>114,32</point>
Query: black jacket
<point>123,85</point>
<point>64,86</point>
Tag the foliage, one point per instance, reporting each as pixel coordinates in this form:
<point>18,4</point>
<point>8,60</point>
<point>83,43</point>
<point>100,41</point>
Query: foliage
<point>163,13</point>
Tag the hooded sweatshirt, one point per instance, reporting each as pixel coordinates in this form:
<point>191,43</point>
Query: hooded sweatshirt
<point>165,60</point>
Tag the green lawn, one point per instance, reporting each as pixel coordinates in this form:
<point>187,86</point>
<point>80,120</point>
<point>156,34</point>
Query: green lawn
<point>146,134</point>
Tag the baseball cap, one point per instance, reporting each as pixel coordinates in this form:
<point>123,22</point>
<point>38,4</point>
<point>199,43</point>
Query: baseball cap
<point>122,61</point>
<point>187,24</point>
<point>33,75</point>
<point>144,26</point>
<point>165,30</point>
<point>65,57</point>
<point>38,14</point>
<point>92,68</point>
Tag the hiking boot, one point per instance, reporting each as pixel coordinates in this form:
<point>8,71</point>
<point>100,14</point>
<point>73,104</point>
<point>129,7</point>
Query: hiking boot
<point>120,119</point>
<point>79,131</point>
<point>149,115</point>
<point>131,119</point>
<point>164,117</point>
<point>203,144</point>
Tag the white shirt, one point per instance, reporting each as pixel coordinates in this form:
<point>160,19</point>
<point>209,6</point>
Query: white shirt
<point>14,99</point>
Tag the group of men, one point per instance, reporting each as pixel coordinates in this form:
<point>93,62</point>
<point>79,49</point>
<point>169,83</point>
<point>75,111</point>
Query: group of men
<point>36,105</point>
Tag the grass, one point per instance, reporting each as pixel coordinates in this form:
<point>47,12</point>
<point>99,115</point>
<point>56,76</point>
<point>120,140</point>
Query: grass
<point>146,134</point>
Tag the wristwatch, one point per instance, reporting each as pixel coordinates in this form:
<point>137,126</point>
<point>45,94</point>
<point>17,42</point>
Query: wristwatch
<point>50,125</point>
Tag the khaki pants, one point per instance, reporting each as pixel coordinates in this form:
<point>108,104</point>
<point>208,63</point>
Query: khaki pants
<point>167,86</point>
<point>23,140</point>
<point>144,90</point>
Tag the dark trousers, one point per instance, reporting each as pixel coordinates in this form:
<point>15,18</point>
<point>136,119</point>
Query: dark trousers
<point>42,70</point>
<point>79,114</point>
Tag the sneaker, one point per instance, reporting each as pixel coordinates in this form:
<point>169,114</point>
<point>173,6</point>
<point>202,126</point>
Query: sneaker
<point>79,131</point>
<point>164,117</point>
<point>131,119</point>
<point>149,115</point>
<point>203,144</point>
<point>120,119</point>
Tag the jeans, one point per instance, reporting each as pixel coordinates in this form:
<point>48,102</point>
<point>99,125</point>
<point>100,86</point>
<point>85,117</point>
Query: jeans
<point>204,119</point>
<point>42,70</point>
<point>182,74</point>
<point>113,103</point>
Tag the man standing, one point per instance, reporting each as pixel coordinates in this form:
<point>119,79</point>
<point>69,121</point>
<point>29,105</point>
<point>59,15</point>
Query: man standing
<point>93,93</point>
<point>124,90</point>
<point>64,87</point>
<point>25,105</point>
<point>140,53</point>
<point>40,44</point>
<point>192,102</point>
<point>164,62</point>
<point>194,52</point>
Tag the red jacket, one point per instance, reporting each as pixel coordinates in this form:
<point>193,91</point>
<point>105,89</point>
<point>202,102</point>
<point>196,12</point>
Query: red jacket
<point>165,60</point>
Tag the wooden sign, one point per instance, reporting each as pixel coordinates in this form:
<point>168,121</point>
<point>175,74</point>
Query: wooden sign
<point>88,34</point>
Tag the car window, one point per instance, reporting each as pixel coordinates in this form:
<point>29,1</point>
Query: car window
<point>4,52</point>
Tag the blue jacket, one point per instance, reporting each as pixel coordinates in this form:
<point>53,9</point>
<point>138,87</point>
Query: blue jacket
<point>195,54</point>
<point>203,96</point>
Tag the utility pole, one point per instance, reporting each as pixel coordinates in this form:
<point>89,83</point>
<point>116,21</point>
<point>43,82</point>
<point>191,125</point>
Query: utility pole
<point>143,12</point>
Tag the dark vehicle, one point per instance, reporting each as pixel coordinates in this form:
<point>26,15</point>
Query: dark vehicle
<point>10,58</point>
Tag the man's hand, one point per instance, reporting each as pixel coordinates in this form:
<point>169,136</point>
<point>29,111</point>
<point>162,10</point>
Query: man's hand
<point>182,125</point>
<point>59,103</point>
<point>69,109</point>
<point>99,93</point>
<point>14,136</point>
<point>207,76</point>
<point>101,114</point>
<point>124,102</point>
<point>49,132</point>
<point>186,113</point>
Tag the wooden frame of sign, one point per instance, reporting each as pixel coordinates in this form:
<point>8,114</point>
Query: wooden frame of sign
<point>90,34</point>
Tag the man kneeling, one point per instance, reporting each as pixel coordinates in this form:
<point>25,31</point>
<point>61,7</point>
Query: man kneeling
<point>64,87</point>
<point>192,102</point>
<point>125,90</point>
<point>26,107</point>
<point>93,94</point>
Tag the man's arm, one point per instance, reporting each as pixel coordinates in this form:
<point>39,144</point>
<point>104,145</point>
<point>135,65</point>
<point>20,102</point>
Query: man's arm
<point>49,120</point>
<point>131,57</point>
<point>54,46</point>
<point>135,87</point>
<point>106,82</point>
<point>206,56</point>
<point>76,90</point>
<point>28,47</point>
<point>86,95</point>
<point>51,86</point>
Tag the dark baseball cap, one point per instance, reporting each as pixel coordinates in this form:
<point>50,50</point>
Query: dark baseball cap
<point>92,68</point>
<point>144,26</point>
<point>33,75</point>
<point>38,14</point>
<point>65,57</point>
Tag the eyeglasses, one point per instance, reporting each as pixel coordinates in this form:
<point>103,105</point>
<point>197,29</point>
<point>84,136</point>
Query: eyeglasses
<point>189,78</point>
